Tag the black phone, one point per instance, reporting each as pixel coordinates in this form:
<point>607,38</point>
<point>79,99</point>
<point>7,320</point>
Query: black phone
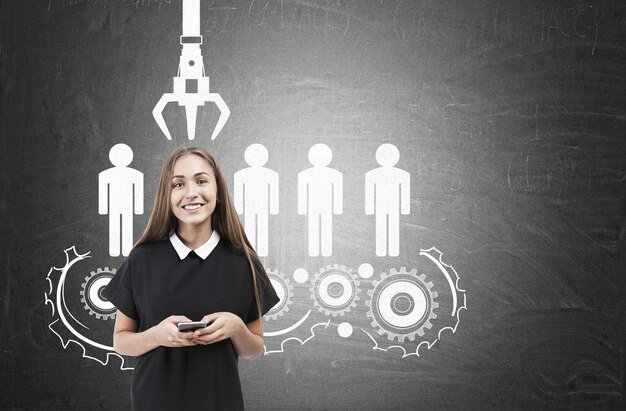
<point>192,325</point>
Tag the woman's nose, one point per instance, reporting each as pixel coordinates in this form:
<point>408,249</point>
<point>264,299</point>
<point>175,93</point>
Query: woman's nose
<point>190,190</point>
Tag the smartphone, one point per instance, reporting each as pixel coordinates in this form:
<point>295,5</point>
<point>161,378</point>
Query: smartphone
<point>192,325</point>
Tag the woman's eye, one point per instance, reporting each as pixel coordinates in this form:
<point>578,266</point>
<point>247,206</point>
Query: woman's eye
<point>178,185</point>
<point>203,181</point>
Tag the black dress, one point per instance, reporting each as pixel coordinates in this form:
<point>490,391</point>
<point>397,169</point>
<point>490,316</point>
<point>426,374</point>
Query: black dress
<point>154,283</point>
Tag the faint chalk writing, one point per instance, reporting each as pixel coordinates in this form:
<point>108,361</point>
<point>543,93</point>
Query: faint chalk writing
<point>328,17</point>
<point>63,4</point>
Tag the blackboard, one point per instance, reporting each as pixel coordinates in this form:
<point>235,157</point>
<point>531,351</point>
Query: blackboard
<point>508,116</point>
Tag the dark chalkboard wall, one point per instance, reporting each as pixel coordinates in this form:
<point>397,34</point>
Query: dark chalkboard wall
<point>508,115</point>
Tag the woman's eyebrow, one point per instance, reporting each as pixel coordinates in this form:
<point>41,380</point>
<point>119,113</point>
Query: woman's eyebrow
<point>195,175</point>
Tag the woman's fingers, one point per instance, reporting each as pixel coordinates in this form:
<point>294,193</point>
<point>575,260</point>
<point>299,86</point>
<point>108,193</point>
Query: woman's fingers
<point>224,325</point>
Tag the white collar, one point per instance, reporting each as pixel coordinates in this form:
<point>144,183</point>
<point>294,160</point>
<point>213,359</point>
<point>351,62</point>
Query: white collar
<point>203,251</point>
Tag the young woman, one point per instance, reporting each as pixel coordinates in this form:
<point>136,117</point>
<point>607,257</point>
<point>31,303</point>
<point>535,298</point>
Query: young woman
<point>193,262</point>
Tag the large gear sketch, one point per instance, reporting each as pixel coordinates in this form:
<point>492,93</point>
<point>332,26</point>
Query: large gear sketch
<point>93,300</point>
<point>63,324</point>
<point>402,304</point>
<point>335,290</point>
<point>394,311</point>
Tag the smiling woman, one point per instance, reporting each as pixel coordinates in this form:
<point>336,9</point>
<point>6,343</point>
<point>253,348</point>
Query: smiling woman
<point>193,198</point>
<point>193,262</point>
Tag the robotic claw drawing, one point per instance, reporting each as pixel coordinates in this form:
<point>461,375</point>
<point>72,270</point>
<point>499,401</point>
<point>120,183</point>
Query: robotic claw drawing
<point>191,86</point>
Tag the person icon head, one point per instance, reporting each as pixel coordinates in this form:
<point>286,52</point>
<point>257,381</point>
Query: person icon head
<point>256,155</point>
<point>387,155</point>
<point>120,155</point>
<point>320,155</point>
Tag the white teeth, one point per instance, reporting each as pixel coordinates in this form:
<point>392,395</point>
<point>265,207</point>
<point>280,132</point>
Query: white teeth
<point>191,206</point>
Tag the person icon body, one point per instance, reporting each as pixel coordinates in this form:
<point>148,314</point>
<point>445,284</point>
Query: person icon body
<point>120,193</point>
<point>256,196</point>
<point>320,195</point>
<point>387,195</point>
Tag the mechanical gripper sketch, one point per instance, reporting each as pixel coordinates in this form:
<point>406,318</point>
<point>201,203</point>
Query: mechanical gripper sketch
<point>191,85</point>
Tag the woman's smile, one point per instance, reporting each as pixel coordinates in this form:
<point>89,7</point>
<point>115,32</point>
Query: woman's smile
<point>194,193</point>
<point>192,207</point>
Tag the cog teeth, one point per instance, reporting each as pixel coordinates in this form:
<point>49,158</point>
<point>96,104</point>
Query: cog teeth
<point>279,277</point>
<point>382,325</point>
<point>320,299</point>
<point>63,329</point>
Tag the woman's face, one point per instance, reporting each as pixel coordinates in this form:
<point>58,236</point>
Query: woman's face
<point>194,191</point>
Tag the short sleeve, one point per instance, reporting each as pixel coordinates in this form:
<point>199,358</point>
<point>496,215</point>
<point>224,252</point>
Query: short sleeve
<point>266,292</point>
<point>119,291</point>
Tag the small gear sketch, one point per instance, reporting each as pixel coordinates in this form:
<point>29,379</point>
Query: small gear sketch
<point>93,300</point>
<point>301,328</point>
<point>402,304</point>
<point>335,290</point>
<point>284,290</point>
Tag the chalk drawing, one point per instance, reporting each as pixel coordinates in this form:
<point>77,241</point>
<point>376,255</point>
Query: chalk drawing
<point>335,290</point>
<point>387,195</point>
<point>64,324</point>
<point>404,305</point>
<point>320,196</point>
<point>256,196</point>
<point>284,290</point>
<point>120,193</point>
<point>93,300</point>
<point>191,85</point>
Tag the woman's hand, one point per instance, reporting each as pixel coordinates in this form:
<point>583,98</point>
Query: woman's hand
<point>225,325</point>
<point>166,333</point>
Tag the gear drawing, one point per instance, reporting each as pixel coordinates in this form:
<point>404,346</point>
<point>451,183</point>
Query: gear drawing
<point>92,297</point>
<point>284,290</point>
<point>402,304</point>
<point>335,290</point>
<point>64,324</point>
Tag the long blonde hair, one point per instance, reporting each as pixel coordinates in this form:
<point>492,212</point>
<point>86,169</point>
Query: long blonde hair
<point>163,223</point>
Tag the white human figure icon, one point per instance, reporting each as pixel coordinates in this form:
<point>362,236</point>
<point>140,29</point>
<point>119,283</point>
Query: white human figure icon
<point>387,194</point>
<point>120,193</point>
<point>320,195</point>
<point>256,196</point>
